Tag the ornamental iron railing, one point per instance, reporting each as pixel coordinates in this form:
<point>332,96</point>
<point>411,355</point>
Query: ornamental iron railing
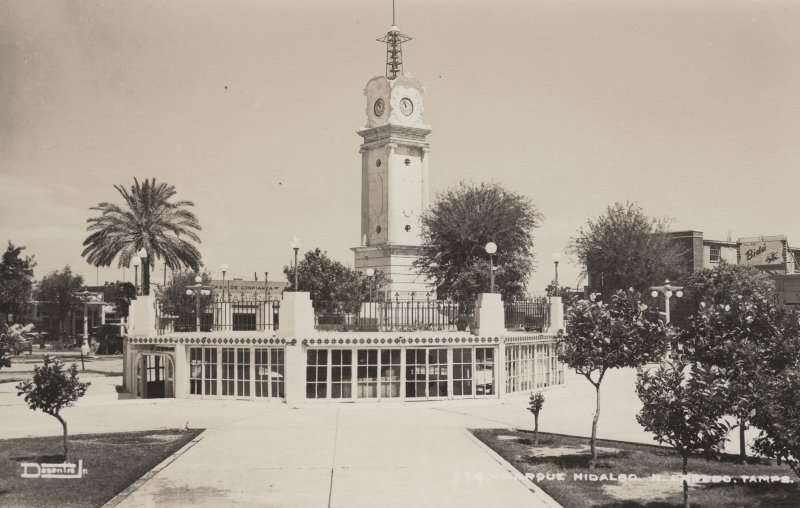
<point>392,315</point>
<point>531,314</point>
<point>231,313</point>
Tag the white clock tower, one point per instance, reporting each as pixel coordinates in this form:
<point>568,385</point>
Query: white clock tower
<point>394,175</point>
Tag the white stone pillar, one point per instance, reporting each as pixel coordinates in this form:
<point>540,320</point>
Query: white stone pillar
<point>556,321</point>
<point>393,184</point>
<point>181,382</point>
<point>500,368</point>
<point>143,316</point>
<point>489,316</point>
<point>425,178</point>
<point>296,317</point>
<point>295,368</point>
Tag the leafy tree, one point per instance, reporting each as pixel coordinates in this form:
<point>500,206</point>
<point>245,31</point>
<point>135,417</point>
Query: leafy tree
<point>456,229</point>
<point>16,281</point>
<point>119,294</point>
<point>599,337</point>
<point>56,292</point>
<point>722,284</point>
<point>778,417</point>
<point>684,405</point>
<point>535,406</point>
<point>568,296</point>
<point>53,389</point>
<point>330,280</point>
<point>149,220</point>
<point>737,327</point>
<point>175,301</point>
<point>7,346</point>
<point>624,248</point>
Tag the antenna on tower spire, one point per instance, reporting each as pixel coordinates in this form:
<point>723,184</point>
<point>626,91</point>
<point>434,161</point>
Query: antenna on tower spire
<point>394,39</point>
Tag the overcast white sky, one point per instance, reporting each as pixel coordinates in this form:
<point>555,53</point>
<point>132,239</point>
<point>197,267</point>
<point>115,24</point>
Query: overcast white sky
<point>690,108</point>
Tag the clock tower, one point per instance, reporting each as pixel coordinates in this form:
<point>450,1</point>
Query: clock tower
<point>394,175</point>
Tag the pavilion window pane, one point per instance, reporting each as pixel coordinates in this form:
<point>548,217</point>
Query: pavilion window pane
<point>243,372</point>
<point>228,371</point>
<point>416,370</point>
<point>484,371</point>
<point>317,373</point>
<point>210,371</point>
<point>437,373</point>
<point>261,359</point>
<point>341,373</point>
<point>367,373</point>
<point>276,372</point>
<point>196,371</point>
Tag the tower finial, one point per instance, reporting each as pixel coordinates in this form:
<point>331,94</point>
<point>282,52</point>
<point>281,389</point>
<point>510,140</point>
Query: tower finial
<point>394,51</point>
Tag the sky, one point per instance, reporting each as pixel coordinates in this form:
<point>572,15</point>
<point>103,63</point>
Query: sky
<point>250,109</point>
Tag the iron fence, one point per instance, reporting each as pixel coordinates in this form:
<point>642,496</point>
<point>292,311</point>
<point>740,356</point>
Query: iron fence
<point>392,315</point>
<point>531,314</point>
<point>216,314</point>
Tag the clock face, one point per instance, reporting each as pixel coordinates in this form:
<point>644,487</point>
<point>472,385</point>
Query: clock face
<point>406,106</point>
<point>379,107</point>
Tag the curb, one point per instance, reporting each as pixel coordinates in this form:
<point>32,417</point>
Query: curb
<point>541,496</point>
<point>133,487</point>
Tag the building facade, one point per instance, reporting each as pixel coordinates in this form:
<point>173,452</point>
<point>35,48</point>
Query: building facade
<point>773,254</point>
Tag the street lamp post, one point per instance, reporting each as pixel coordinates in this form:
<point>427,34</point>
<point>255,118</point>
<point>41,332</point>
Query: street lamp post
<point>668,291</point>
<point>142,255</point>
<point>84,296</point>
<point>197,290</point>
<point>136,262</point>
<point>370,273</point>
<point>296,246</point>
<point>491,248</point>
<point>556,259</point>
<point>224,267</point>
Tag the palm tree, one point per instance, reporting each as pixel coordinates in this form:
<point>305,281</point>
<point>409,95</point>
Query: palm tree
<point>151,221</point>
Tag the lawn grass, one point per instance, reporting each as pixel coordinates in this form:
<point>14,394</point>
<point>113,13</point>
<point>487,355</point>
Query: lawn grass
<point>113,462</point>
<point>643,461</point>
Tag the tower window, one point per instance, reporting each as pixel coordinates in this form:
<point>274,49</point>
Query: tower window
<point>378,228</point>
<point>407,162</point>
<point>378,163</point>
<point>408,228</point>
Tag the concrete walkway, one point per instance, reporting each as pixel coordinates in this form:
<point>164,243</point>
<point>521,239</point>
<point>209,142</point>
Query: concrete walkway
<point>347,456</point>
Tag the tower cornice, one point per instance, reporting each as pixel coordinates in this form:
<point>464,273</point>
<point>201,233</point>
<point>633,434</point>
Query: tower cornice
<point>394,133</point>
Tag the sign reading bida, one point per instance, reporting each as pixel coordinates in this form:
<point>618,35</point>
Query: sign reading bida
<point>762,251</point>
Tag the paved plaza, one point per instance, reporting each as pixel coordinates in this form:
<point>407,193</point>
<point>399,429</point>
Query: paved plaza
<point>337,455</point>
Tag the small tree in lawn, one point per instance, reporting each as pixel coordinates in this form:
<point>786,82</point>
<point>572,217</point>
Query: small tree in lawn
<point>747,335</point>
<point>535,405</point>
<point>599,337</point>
<point>53,389</point>
<point>684,405</point>
<point>778,417</point>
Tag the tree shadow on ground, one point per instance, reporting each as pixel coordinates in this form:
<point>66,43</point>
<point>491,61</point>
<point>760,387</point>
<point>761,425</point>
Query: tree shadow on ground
<point>41,459</point>
<point>573,461</point>
<point>637,504</point>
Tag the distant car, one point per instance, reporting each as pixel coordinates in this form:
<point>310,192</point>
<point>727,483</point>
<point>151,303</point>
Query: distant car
<point>109,338</point>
